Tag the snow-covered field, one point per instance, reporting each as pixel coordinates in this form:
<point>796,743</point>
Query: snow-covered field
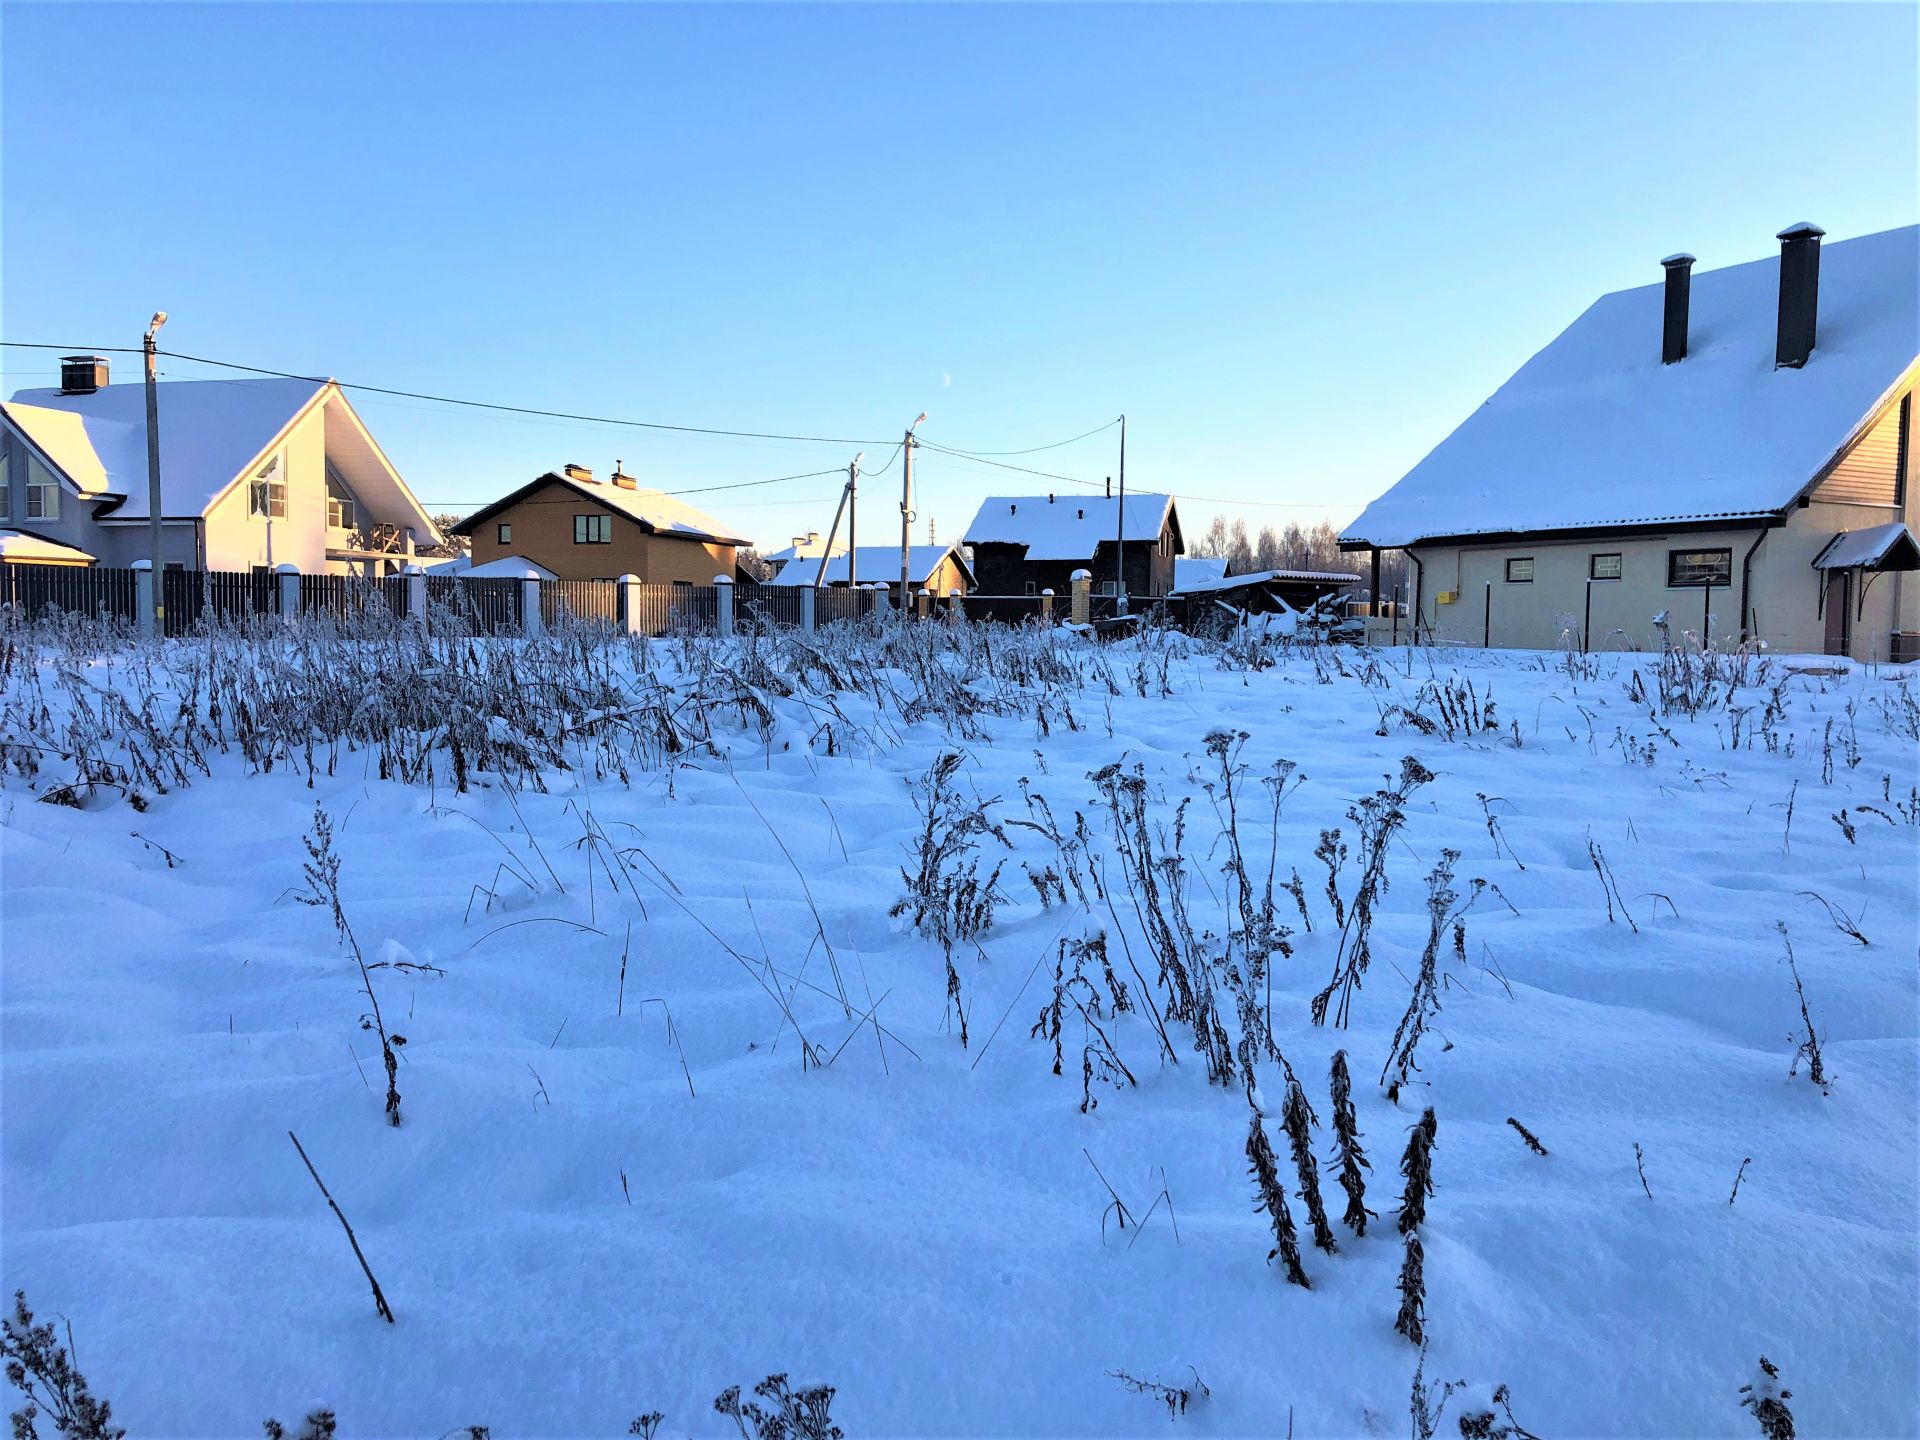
<point>683,1106</point>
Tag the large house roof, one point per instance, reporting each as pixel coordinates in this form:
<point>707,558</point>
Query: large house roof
<point>211,433</point>
<point>1068,527</point>
<point>876,563</point>
<point>1595,431</point>
<point>654,511</point>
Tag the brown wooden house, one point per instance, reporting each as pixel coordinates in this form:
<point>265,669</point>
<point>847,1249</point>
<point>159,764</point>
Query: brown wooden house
<point>581,528</point>
<point>1024,544</point>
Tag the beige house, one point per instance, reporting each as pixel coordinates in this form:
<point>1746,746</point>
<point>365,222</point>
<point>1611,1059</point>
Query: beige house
<point>253,474</point>
<point>1732,450</point>
<point>937,569</point>
<point>581,528</point>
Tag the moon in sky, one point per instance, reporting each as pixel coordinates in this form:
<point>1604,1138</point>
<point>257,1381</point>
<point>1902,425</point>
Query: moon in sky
<point>945,380</point>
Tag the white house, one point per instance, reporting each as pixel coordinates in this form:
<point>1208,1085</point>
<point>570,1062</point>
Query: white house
<point>1734,449</point>
<point>253,474</point>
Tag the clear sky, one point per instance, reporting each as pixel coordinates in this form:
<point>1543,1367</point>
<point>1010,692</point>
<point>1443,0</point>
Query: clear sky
<point>1296,244</point>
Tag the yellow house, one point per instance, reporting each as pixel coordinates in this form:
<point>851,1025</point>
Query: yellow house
<point>1732,451</point>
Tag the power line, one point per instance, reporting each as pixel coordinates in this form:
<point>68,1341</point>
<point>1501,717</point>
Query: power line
<point>1036,449</point>
<point>1077,480</point>
<point>450,399</point>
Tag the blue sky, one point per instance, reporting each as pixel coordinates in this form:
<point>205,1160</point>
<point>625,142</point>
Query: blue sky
<point>1296,244</point>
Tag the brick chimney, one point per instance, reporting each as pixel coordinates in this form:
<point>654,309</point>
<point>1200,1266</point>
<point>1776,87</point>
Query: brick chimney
<point>1799,294</point>
<point>82,374</point>
<point>1673,333</point>
<point>578,472</point>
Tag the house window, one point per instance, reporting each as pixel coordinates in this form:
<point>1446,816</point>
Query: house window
<point>6,484</point>
<point>1033,587</point>
<point>1106,587</point>
<point>592,529</point>
<point>1520,570</point>
<point>267,493</point>
<point>503,533</point>
<point>339,513</point>
<point>1688,569</point>
<point>43,492</point>
<point>1604,567</point>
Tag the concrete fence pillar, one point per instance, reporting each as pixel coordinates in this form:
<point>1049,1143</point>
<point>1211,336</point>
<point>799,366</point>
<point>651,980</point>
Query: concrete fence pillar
<point>921,602</point>
<point>416,593</point>
<point>1046,606</point>
<point>955,610</point>
<point>143,593</point>
<point>882,599</point>
<point>287,580</point>
<point>629,593</point>
<point>806,608</point>
<point>723,606</point>
<point>531,621</point>
<point>1082,600</point>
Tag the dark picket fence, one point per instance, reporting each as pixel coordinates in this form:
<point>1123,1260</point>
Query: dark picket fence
<point>580,602</point>
<point>76,589</point>
<point>1016,609</point>
<point>767,604</point>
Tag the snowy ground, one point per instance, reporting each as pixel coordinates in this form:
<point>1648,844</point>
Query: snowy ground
<point>919,1224</point>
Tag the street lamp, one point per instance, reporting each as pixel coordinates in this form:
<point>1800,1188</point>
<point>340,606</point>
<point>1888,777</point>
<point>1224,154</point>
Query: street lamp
<point>153,476</point>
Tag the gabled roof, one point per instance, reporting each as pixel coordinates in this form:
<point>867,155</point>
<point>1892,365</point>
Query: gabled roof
<point>655,512</point>
<point>212,432</point>
<point>1069,527</point>
<point>876,563</point>
<point>1595,431</point>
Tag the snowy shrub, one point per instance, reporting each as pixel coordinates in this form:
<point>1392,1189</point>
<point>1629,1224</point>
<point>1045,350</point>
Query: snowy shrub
<point>1379,817</point>
<point>1352,1159</point>
<point>1270,1197</point>
<point>1417,1166</point>
<point>43,1371</point>
<point>1074,990</point>
<point>1297,1119</point>
<point>1767,1398</point>
<point>319,1425</point>
<point>789,1414</point>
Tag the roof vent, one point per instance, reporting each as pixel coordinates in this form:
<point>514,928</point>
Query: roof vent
<point>578,472</point>
<point>1673,334</point>
<point>1080,514</point>
<point>622,479</point>
<point>1013,509</point>
<point>1049,497</point>
<point>1799,294</point>
<point>82,374</point>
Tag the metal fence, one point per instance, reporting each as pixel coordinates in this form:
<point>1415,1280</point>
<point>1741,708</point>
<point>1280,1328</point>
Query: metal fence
<point>768,604</point>
<point>841,602</point>
<point>674,609</point>
<point>76,589</point>
<point>1016,609</point>
<point>589,602</point>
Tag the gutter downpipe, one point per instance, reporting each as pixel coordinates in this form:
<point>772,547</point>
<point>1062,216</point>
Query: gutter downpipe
<point>1746,583</point>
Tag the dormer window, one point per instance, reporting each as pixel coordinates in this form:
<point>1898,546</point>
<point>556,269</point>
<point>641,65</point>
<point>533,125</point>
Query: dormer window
<point>267,492</point>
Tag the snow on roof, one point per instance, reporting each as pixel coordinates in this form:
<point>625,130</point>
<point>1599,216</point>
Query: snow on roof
<point>210,430</point>
<point>1594,430</point>
<point>1066,527</point>
<point>660,512</point>
<point>801,549</point>
<point>21,548</point>
<point>1262,577</point>
<point>1871,548</point>
<point>875,562</point>
<point>1196,569</point>
<point>507,567</point>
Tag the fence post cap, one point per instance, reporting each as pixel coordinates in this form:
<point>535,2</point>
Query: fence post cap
<point>1082,575</point>
<point>285,568</point>
<point>955,592</point>
<point>925,591</point>
<point>529,574</point>
<point>409,569</point>
<point>723,579</point>
<point>629,580</point>
<point>141,565</point>
<point>1047,591</point>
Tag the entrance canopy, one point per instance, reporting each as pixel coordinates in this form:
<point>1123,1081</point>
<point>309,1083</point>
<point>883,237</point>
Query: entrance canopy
<point>1881,547</point>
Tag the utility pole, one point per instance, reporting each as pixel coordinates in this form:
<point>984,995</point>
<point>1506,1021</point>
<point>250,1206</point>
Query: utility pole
<point>833,530</point>
<point>853,525</point>
<point>907,514</point>
<point>1120,545</point>
<point>154,507</point>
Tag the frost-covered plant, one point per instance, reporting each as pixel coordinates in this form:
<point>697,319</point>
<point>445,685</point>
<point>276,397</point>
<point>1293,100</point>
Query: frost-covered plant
<point>1296,1118</point>
<point>1442,917</point>
<point>1808,1048</point>
<point>320,1424</point>
<point>1175,1397</point>
<point>789,1414</point>
<point>322,869</point>
<point>1416,1167</point>
<point>1767,1398</point>
<point>1270,1197</point>
<point>1379,817</point>
<point>1076,992</point>
<point>1352,1159</point>
<point>43,1371</point>
<point>1411,1321</point>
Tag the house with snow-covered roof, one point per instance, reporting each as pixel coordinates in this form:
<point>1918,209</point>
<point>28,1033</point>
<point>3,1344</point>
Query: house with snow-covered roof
<point>253,474</point>
<point>580,528</point>
<point>1733,449</point>
<point>1024,544</point>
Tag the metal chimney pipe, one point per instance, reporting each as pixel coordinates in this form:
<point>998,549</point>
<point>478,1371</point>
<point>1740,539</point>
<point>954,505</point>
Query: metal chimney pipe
<point>1673,334</point>
<point>1799,294</point>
